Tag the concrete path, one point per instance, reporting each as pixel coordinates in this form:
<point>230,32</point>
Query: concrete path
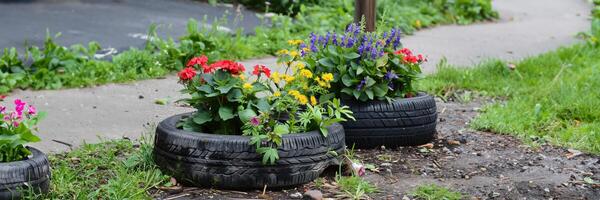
<point>115,24</point>
<point>527,28</point>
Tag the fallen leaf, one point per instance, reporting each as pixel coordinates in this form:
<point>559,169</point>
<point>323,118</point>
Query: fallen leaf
<point>161,101</point>
<point>428,146</point>
<point>173,181</point>
<point>573,153</point>
<point>453,142</point>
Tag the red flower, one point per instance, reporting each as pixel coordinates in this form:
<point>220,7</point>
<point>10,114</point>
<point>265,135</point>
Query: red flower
<point>404,51</point>
<point>187,74</point>
<point>233,68</point>
<point>261,69</point>
<point>408,57</point>
<point>202,60</point>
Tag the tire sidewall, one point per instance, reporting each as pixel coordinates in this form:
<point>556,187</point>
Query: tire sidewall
<point>33,173</point>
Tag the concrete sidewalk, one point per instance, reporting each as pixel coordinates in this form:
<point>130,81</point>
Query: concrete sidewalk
<point>116,110</point>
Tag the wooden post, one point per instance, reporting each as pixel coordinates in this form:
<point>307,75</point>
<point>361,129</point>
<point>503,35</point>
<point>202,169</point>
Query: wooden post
<point>366,8</point>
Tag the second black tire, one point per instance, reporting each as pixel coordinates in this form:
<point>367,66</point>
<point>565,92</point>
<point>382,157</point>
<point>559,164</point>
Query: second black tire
<point>403,122</point>
<point>230,162</point>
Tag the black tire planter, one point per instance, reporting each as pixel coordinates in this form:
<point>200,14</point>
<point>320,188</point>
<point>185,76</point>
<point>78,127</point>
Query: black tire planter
<point>230,162</point>
<point>32,174</point>
<point>403,122</point>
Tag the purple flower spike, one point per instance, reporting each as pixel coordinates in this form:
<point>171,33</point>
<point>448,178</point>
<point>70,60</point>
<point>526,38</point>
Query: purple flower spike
<point>390,75</point>
<point>362,84</point>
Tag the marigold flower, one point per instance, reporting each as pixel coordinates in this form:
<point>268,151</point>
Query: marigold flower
<point>277,94</point>
<point>302,99</point>
<point>306,73</point>
<point>247,86</point>
<point>288,78</point>
<point>294,53</point>
<point>294,93</point>
<point>187,74</point>
<point>328,77</point>
<point>261,69</point>
<point>283,51</point>
<point>313,100</point>
<point>275,77</point>
<point>295,42</point>
<point>299,65</point>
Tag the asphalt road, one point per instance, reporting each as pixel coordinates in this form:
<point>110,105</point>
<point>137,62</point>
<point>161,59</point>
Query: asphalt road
<point>115,24</point>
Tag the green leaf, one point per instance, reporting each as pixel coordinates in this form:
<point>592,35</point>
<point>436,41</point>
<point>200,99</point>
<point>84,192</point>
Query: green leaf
<point>347,80</point>
<point>225,113</point>
<point>235,95</point>
<point>380,90</point>
<point>351,55</point>
<point>206,89</point>
<point>324,131</point>
<point>270,155</point>
<point>359,70</point>
<point>201,117</point>
<point>326,62</point>
<point>281,129</point>
<point>263,105</point>
<point>369,93</point>
<point>370,81</point>
<point>246,115</point>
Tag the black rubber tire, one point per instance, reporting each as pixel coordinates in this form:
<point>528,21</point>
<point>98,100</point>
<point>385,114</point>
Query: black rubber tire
<point>403,122</point>
<point>230,162</point>
<point>32,174</point>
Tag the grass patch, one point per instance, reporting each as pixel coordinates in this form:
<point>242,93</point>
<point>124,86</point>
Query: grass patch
<point>355,187</point>
<point>434,192</point>
<point>118,169</point>
<point>550,98</point>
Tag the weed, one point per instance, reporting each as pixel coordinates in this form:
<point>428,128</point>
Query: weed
<point>355,187</point>
<point>434,192</point>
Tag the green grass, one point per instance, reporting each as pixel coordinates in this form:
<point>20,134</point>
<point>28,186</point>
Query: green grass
<point>355,187</point>
<point>434,192</point>
<point>118,169</point>
<point>551,98</point>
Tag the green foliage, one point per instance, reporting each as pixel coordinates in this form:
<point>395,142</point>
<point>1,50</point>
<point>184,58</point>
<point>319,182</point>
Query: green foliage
<point>354,187</point>
<point>552,98</point>
<point>434,192</point>
<point>17,129</point>
<point>115,169</point>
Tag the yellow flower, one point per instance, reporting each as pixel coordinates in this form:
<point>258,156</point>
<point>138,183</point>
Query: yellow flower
<point>294,93</point>
<point>306,73</point>
<point>241,76</point>
<point>313,100</point>
<point>294,53</point>
<point>289,78</point>
<point>247,86</point>
<point>328,77</point>
<point>295,42</point>
<point>299,65</point>
<point>283,51</point>
<point>277,94</point>
<point>275,77</point>
<point>302,99</point>
<point>418,24</point>
<point>306,49</point>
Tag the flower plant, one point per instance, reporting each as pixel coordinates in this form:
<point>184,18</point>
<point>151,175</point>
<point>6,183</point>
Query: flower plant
<point>17,128</point>
<point>365,65</point>
<point>264,105</point>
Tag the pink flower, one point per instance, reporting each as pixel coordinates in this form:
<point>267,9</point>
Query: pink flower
<point>255,121</point>
<point>2,109</point>
<point>19,106</point>
<point>31,110</point>
<point>15,123</point>
<point>358,169</point>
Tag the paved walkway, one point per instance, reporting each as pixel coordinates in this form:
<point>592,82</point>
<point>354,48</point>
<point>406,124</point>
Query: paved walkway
<point>112,111</point>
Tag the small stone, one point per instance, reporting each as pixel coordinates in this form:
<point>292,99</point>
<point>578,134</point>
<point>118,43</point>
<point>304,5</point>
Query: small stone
<point>478,154</point>
<point>382,147</point>
<point>296,195</point>
<point>546,190</point>
<point>457,150</point>
<point>313,195</point>
<point>405,198</point>
<point>140,97</point>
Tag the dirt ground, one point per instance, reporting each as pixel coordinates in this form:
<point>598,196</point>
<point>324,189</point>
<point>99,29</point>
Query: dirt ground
<point>478,164</point>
